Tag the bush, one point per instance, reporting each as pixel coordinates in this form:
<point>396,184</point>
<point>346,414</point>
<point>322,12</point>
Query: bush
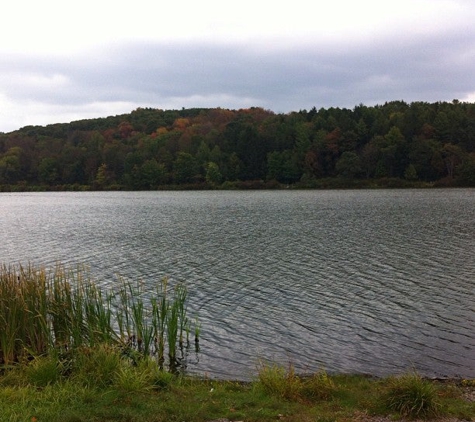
<point>412,396</point>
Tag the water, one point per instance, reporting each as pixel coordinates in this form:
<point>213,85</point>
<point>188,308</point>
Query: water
<point>364,281</point>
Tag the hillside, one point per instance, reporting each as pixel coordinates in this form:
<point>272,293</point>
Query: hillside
<point>394,144</point>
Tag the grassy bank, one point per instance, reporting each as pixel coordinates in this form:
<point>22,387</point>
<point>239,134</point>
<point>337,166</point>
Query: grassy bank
<point>70,352</point>
<point>100,385</point>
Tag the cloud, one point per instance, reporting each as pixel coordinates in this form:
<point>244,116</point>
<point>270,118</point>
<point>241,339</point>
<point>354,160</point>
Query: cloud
<point>18,114</point>
<point>56,27</point>
<point>85,62</point>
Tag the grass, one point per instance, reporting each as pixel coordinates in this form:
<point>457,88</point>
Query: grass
<point>72,352</point>
<point>61,311</point>
<point>97,388</point>
<point>412,396</point>
<point>284,383</point>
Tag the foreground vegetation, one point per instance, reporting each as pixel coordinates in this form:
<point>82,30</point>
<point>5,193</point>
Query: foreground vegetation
<point>394,144</point>
<point>60,313</point>
<point>72,352</point>
<point>100,385</point>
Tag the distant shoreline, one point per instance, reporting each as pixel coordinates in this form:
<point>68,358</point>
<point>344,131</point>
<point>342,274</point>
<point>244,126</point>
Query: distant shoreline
<point>320,184</point>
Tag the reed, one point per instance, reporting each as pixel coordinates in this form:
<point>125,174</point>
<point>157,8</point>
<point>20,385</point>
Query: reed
<point>63,310</point>
<point>172,332</point>
<point>160,308</point>
<point>180,301</point>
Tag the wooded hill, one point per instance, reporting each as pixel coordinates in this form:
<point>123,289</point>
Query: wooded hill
<point>395,144</point>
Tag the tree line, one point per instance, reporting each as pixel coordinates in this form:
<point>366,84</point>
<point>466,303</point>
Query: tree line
<point>394,144</point>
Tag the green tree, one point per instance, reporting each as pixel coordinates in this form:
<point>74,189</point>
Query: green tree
<point>213,175</point>
<point>410,173</point>
<point>425,155</point>
<point>393,152</point>
<point>453,155</point>
<point>203,154</point>
<point>233,168</point>
<point>152,174</point>
<point>48,170</point>
<point>102,177</point>
<point>466,171</point>
<point>370,158</point>
<point>283,167</point>
<point>349,165</point>
<point>185,168</point>
<point>10,165</point>
<point>71,164</point>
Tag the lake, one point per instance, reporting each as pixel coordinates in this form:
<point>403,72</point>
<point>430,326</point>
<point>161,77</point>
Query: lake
<point>360,281</point>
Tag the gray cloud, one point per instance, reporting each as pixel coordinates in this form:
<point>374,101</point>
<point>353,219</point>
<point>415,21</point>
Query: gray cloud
<point>423,68</point>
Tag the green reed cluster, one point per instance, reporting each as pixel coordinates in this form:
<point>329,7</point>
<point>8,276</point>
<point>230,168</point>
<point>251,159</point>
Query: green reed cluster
<point>63,310</point>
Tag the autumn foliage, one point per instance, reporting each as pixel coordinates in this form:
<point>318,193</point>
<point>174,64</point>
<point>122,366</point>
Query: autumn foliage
<point>392,144</point>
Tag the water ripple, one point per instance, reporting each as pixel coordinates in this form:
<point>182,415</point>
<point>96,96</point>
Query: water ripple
<point>353,281</point>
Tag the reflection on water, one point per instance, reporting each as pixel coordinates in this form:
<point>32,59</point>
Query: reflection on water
<point>352,281</point>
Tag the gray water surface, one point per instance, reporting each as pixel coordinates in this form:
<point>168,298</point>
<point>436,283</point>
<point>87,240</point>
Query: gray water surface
<point>363,281</point>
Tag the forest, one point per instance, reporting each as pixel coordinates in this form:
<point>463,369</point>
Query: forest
<point>396,144</point>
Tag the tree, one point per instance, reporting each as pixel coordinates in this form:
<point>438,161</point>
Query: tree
<point>185,168</point>
<point>425,156</point>
<point>102,177</point>
<point>466,171</point>
<point>370,157</point>
<point>203,154</point>
<point>452,155</point>
<point>71,164</point>
<point>152,174</point>
<point>213,175</point>
<point>233,168</point>
<point>283,167</point>
<point>349,165</point>
<point>393,150</point>
<point>410,173</point>
<point>10,165</point>
<point>147,147</point>
<point>48,170</point>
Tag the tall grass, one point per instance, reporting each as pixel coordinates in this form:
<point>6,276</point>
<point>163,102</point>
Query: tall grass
<point>285,383</point>
<point>412,396</point>
<point>62,310</point>
<point>23,313</point>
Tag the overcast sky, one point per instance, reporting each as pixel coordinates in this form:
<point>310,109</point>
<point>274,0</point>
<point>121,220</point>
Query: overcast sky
<point>62,61</point>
